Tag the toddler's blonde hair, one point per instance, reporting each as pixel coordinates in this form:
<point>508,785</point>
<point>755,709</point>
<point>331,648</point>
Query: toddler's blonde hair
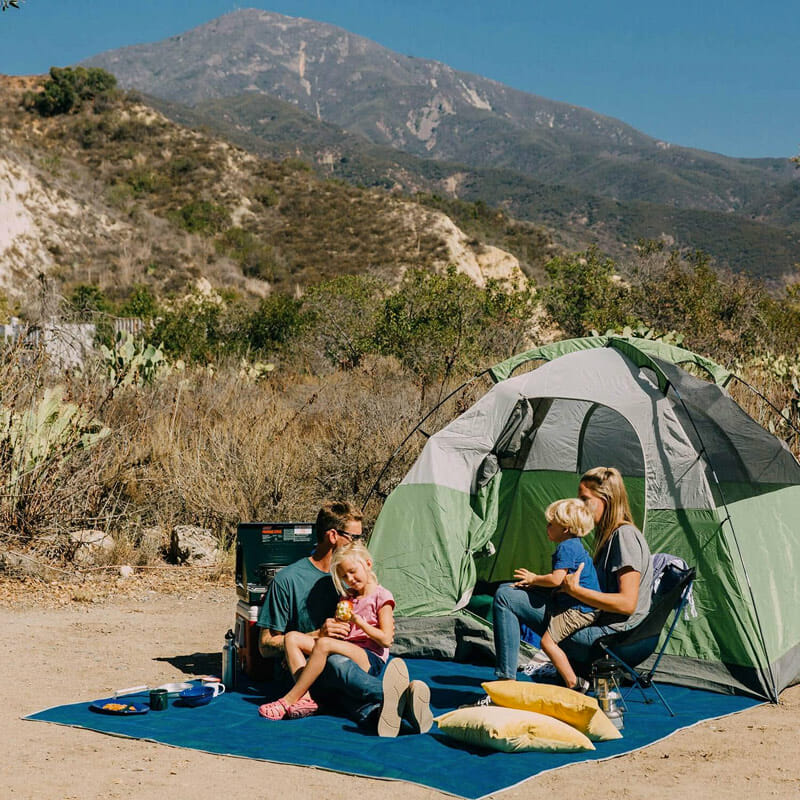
<point>355,551</point>
<point>571,514</point>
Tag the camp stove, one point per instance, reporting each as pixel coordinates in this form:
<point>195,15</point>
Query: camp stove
<point>262,548</point>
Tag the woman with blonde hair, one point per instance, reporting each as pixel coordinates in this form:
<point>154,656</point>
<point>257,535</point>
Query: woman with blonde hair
<point>622,560</point>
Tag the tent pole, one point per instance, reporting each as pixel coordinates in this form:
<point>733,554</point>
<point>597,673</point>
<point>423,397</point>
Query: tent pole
<point>414,430</point>
<point>769,403</point>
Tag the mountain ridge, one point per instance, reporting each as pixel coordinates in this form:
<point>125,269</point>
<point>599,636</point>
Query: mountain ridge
<point>112,193</point>
<point>429,109</point>
<point>576,220</point>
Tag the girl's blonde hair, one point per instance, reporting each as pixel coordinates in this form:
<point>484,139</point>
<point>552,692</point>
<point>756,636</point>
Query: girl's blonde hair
<point>571,514</point>
<point>355,551</point>
<point>607,483</point>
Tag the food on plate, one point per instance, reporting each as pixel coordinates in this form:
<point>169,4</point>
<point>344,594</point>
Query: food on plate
<point>118,707</point>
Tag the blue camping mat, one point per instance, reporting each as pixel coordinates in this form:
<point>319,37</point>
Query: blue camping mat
<point>230,725</point>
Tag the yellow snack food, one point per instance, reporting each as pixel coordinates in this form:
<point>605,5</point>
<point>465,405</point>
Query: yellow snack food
<point>344,610</point>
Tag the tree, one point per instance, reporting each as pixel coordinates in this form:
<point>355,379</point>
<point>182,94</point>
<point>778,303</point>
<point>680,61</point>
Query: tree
<point>141,304</point>
<point>585,294</point>
<point>67,89</point>
<point>341,316</point>
<point>90,304</point>
<point>193,329</point>
<point>440,325</point>
<point>276,321</point>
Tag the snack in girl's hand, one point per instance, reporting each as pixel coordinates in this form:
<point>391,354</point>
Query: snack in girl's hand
<point>344,610</point>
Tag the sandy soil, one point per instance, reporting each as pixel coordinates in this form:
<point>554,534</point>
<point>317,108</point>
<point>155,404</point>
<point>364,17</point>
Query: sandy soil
<point>65,645</point>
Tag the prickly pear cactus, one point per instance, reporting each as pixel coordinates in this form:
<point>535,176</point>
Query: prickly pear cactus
<point>134,363</point>
<point>42,439</point>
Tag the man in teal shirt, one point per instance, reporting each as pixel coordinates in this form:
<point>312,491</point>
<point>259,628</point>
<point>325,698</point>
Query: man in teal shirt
<point>302,598</point>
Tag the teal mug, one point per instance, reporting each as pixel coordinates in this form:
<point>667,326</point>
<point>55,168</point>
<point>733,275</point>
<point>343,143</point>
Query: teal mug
<point>159,699</point>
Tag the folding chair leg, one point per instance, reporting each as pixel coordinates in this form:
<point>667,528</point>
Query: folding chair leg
<point>637,682</point>
<point>662,699</point>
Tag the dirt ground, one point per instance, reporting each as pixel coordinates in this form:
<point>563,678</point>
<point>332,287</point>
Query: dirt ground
<point>65,643</point>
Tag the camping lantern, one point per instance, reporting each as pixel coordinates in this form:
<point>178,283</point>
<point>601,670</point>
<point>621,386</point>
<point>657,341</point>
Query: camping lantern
<point>606,679</point>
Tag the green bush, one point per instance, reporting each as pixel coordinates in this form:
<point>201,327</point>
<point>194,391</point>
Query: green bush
<point>145,181</point>
<point>277,321</point>
<point>131,130</point>
<point>341,315</point>
<point>202,216</point>
<point>266,195</point>
<point>141,304</point>
<point>256,258</point>
<point>438,325</point>
<point>67,89</point>
<point>584,294</point>
<point>90,304</point>
<point>190,331</point>
<point>200,329</point>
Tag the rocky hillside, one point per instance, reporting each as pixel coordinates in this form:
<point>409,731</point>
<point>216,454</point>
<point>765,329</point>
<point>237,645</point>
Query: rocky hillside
<point>276,129</point>
<point>115,194</point>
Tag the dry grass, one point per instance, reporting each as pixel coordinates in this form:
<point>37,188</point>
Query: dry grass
<point>213,449</point>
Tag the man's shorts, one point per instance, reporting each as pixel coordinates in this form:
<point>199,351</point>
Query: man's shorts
<point>567,621</point>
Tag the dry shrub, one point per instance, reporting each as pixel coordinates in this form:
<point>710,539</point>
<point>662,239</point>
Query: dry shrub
<point>780,401</point>
<point>52,455</point>
<point>137,546</point>
<point>358,420</point>
<point>218,448</point>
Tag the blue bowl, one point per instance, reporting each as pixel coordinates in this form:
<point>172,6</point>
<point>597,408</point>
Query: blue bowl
<point>196,696</point>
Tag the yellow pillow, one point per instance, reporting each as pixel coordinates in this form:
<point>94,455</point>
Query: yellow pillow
<point>572,707</point>
<point>511,730</point>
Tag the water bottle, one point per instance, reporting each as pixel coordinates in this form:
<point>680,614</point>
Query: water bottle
<point>229,659</point>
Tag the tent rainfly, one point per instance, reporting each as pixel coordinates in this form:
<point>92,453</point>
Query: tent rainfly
<point>706,482</point>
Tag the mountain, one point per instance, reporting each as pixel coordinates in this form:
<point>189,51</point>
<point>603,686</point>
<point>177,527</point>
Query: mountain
<point>286,87</point>
<point>431,110</point>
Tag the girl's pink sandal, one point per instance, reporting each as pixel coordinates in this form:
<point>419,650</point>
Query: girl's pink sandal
<point>275,710</point>
<point>304,707</point>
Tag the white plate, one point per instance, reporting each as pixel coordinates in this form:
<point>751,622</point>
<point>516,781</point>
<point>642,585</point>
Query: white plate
<point>175,688</point>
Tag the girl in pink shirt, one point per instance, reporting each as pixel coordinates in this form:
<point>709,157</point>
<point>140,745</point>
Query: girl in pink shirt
<point>366,605</point>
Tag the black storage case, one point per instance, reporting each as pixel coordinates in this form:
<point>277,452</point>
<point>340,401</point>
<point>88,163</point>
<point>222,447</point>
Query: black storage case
<point>262,548</point>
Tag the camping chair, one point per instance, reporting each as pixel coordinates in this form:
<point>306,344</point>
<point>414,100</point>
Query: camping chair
<point>632,647</point>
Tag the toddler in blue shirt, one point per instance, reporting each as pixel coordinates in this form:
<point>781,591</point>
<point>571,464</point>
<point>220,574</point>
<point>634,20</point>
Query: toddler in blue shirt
<point>568,521</point>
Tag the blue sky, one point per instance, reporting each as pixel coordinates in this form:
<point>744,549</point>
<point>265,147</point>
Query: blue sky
<point>721,76</point>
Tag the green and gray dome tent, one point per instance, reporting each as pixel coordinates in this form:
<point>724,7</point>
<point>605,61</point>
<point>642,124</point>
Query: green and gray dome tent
<point>707,483</point>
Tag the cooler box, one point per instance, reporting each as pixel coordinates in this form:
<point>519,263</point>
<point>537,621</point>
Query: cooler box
<point>251,662</point>
<point>262,548</point>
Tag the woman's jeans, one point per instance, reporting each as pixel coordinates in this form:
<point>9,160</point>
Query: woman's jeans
<point>513,606</point>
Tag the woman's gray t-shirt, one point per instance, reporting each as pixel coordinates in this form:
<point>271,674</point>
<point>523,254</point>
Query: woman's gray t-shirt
<point>626,547</point>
